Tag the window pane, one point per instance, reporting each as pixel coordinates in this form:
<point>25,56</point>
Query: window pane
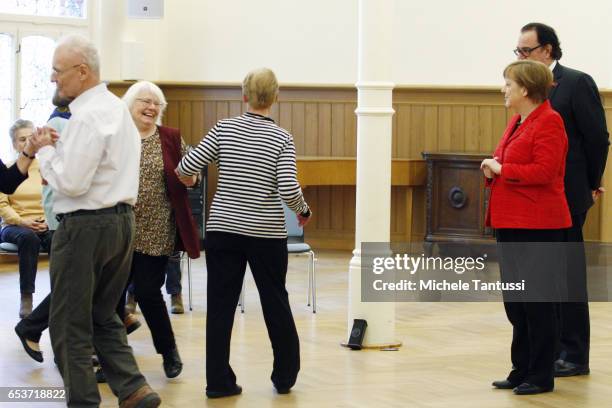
<point>7,61</point>
<point>51,8</point>
<point>36,86</point>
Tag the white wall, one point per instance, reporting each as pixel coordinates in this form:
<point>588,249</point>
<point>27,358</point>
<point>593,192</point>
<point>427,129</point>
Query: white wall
<point>437,42</point>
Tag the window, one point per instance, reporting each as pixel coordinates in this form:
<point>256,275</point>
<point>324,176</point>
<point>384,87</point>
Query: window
<point>7,63</point>
<point>49,8</point>
<point>27,43</point>
<point>35,84</point>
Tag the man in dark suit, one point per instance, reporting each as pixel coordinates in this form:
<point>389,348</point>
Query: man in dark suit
<point>576,98</point>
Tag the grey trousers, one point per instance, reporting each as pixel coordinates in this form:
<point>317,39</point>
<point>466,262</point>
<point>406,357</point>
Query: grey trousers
<point>90,268</point>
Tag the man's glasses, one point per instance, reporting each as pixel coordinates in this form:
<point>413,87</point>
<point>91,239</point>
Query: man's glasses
<point>148,102</point>
<point>525,51</point>
<point>58,72</point>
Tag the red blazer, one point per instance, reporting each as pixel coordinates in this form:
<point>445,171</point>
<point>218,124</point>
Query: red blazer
<point>187,232</point>
<point>529,192</point>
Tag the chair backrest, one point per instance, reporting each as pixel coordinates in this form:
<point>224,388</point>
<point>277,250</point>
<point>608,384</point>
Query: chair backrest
<point>294,231</point>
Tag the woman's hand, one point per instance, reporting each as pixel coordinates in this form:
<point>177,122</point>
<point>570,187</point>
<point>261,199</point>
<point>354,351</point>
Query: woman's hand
<point>42,137</point>
<point>302,221</point>
<point>35,225</point>
<point>491,167</point>
<point>188,181</point>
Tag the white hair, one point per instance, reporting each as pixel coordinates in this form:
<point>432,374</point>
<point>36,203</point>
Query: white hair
<point>145,86</point>
<point>83,47</point>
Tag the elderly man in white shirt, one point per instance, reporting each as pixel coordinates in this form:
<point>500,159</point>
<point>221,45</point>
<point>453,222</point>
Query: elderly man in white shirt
<point>93,171</point>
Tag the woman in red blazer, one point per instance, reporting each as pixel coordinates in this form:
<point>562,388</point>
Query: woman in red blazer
<point>527,205</point>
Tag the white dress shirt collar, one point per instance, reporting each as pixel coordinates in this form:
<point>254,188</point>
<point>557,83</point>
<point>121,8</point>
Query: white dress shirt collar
<point>86,96</point>
<point>553,65</point>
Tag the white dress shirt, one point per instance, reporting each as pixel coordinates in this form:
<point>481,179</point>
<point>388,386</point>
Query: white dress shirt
<point>95,163</point>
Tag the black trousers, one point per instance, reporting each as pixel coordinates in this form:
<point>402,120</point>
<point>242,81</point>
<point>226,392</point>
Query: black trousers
<point>148,275</point>
<point>33,325</point>
<point>534,324</point>
<point>574,324</point>
<point>226,259</point>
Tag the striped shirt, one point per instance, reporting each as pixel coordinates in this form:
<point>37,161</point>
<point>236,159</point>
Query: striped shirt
<point>256,162</point>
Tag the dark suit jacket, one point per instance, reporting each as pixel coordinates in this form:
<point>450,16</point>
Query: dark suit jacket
<point>10,178</point>
<point>575,96</point>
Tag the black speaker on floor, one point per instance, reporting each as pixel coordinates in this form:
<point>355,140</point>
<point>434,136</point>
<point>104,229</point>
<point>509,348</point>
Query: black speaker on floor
<point>357,333</point>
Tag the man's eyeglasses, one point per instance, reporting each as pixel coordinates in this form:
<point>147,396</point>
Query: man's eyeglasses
<point>525,51</point>
<point>58,72</point>
<point>148,102</point>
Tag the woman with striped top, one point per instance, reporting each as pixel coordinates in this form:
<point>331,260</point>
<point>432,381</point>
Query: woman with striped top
<point>256,163</point>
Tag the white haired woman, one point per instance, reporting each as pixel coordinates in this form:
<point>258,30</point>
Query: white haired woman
<point>163,216</point>
<point>257,170</point>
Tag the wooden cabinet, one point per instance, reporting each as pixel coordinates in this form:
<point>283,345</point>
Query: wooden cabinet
<point>456,199</point>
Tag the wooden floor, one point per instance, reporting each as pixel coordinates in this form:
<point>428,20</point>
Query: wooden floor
<point>451,353</point>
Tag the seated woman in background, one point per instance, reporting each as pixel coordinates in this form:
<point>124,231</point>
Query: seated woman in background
<point>23,219</point>
<point>527,207</point>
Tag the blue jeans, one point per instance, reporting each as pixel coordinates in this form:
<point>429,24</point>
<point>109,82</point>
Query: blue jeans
<point>29,243</point>
<point>173,275</point>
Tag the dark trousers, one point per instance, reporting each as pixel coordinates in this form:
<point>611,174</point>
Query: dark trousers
<point>534,324</point>
<point>148,274</point>
<point>90,268</point>
<point>29,244</point>
<point>33,325</point>
<point>574,324</point>
<point>226,258</point>
<point>173,275</point>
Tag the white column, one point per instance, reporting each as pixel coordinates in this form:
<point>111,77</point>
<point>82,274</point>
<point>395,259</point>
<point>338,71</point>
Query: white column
<point>374,115</point>
<point>107,28</point>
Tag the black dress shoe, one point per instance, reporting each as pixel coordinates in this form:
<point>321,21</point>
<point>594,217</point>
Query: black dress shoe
<point>36,355</point>
<point>100,376</point>
<point>282,390</point>
<point>504,385</point>
<point>172,363</point>
<point>529,389</point>
<point>224,393</point>
<point>567,369</point>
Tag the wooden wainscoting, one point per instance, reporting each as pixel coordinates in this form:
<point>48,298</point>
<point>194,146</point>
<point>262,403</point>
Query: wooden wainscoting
<point>323,123</point>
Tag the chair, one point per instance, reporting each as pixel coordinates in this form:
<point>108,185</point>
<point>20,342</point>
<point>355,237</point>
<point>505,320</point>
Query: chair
<point>184,254</point>
<point>296,246</point>
<point>8,248</point>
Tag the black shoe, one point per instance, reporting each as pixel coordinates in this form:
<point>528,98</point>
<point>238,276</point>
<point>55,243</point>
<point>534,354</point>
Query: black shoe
<point>100,376</point>
<point>227,393</point>
<point>172,363</point>
<point>36,355</point>
<point>567,369</point>
<point>504,385</point>
<point>281,390</point>
<point>529,389</point>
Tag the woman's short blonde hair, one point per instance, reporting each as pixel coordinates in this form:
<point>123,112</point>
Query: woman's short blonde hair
<point>534,76</point>
<point>260,88</point>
